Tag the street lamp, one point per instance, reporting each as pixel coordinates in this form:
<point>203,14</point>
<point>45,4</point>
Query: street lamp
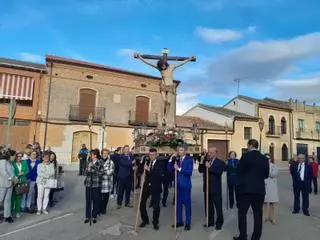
<point>226,128</point>
<point>195,132</point>
<point>261,125</point>
<point>103,126</point>
<point>90,122</point>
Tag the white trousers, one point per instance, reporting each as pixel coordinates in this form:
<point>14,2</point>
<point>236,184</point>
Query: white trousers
<point>5,197</point>
<point>31,193</point>
<point>43,197</point>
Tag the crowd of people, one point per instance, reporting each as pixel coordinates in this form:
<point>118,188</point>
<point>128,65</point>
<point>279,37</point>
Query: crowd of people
<point>30,181</point>
<point>251,181</point>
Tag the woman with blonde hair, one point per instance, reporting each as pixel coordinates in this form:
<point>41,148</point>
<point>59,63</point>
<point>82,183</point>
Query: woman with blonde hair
<point>271,197</point>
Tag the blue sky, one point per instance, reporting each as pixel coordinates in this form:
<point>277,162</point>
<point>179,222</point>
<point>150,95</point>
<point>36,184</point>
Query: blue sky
<point>272,45</point>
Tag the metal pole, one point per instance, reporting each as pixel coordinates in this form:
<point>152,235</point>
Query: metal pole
<point>12,109</point>
<point>48,106</point>
<point>260,140</point>
<point>90,138</point>
<point>227,189</point>
<point>102,141</point>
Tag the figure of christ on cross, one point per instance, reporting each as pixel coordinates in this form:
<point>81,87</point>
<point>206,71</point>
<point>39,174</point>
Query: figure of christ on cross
<point>167,87</point>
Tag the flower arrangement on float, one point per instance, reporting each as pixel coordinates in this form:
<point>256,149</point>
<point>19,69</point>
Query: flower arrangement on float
<point>170,137</point>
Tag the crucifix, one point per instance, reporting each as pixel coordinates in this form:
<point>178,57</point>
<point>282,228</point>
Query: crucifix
<point>167,88</point>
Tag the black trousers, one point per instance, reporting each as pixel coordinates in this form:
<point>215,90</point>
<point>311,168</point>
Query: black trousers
<point>233,195</point>
<point>104,202</point>
<point>215,205</point>
<point>82,165</point>
<point>92,205</point>
<point>155,204</point>
<point>315,184</point>
<point>301,188</point>
<point>114,185</point>
<point>51,196</point>
<point>256,203</point>
<point>165,185</point>
<point>124,188</point>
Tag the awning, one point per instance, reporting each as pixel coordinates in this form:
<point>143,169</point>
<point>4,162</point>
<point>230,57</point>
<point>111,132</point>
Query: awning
<point>16,86</point>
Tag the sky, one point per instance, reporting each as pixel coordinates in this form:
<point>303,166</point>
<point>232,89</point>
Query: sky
<point>272,46</point>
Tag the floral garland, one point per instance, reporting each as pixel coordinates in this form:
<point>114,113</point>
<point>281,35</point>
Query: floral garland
<point>165,137</point>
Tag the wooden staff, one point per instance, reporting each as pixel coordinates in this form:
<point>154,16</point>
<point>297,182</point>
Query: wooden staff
<point>175,199</point>
<point>207,196</point>
<point>134,185</point>
<point>227,189</point>
<point>140,196</point>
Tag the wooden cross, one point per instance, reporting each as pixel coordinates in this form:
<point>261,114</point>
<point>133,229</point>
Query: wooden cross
<point>165,56</point>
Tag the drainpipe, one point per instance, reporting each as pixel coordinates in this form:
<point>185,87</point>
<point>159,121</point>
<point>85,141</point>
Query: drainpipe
<point>48,105</point>
<point>291,133</point>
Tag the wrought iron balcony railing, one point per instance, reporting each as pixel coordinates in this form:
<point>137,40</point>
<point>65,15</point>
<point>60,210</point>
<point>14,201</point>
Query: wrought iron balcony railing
<point>81,113</point>
<point>150,119</point>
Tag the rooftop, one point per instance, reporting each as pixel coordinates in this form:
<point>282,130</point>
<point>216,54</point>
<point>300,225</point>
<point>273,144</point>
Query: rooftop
<point>267,102</point>
<point>6,62</point>
<point>188,121</point>
<point>224,111</point>
<point>57,59</point>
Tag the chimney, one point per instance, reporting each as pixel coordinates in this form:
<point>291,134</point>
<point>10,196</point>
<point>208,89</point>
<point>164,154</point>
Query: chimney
<point>296,102</point>
<point>290,100</point>
<point>304,105</point>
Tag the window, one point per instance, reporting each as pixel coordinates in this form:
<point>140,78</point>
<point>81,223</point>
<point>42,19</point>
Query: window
<point>142,109</point>
<point>271,150</point>
<point>247,133</point>
<point>318,126</point>
<point>300,124</point>
<point>284,152</point>
<point>283,126</point>
<point>271,125</point>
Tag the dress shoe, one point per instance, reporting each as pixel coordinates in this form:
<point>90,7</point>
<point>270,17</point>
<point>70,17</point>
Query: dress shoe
<point>119,206</point>
<point>9,220</point>
<point>209,225</point>
<point>178,225</point>
<point>187,227</point>
<point>86,220</point>
<point>295,212</point>
<point>143,224</point>
<point>129,205</point>
<point>218,228</point>
<point>164,204</point>
<point>239,238</point>
<point>306,214</point>
<point>156,226</point>
<point>94,220</point>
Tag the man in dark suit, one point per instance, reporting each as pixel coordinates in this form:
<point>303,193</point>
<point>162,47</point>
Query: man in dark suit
<point>215,169</point>
<point>301,173</point>
<point>152,186</point>
<point>253,169</point>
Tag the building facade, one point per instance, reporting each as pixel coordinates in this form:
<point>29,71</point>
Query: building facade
<point>21,82</point>
<point>75,89</point>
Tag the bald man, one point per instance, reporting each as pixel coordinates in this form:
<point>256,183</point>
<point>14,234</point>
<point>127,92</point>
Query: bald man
<point>215,168</point>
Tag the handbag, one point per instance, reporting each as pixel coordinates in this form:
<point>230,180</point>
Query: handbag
<point>21,188</point>
<point>51,183</point>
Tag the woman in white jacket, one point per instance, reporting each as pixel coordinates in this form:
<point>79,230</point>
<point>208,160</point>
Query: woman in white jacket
<point>271,197</point>
<point>46,174</point>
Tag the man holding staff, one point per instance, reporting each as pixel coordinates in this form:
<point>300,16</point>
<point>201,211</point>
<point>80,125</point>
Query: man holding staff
<point>183,168</point>
<point>152,185</point>
<point>212,167</point>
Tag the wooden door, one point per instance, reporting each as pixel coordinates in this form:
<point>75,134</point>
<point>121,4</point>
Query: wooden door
<point>87,103</point>
<point>142,109</point>
<point>221,145</point>
<point>80,138</point>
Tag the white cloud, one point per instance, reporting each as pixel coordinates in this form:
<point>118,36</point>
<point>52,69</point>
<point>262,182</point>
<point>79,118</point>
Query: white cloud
<point>304,89</point>
<point>185,101</point>
<point>31,57</point>
<point>213,35</point>
<point>127,52</point>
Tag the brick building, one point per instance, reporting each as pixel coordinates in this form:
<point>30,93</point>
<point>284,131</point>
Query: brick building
<point>22,81</point>
<point>74,89</point>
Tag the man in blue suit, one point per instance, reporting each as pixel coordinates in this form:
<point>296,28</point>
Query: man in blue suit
<point>301,173</point>
<point>184,168</point>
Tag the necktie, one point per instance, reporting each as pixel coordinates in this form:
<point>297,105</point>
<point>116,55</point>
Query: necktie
<point>299,168</point>
<point>151,167</point>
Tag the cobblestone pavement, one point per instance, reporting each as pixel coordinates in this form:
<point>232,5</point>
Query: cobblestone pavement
<point>65,221</point>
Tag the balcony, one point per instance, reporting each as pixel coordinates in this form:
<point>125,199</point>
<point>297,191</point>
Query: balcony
<point>307,134</point>
<point>81,113</point>
<point>274,131</point>
<point>137,119</point>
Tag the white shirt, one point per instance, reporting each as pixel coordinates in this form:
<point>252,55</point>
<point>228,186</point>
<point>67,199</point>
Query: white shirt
<point>301,165</point>
<point>153,162</point>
